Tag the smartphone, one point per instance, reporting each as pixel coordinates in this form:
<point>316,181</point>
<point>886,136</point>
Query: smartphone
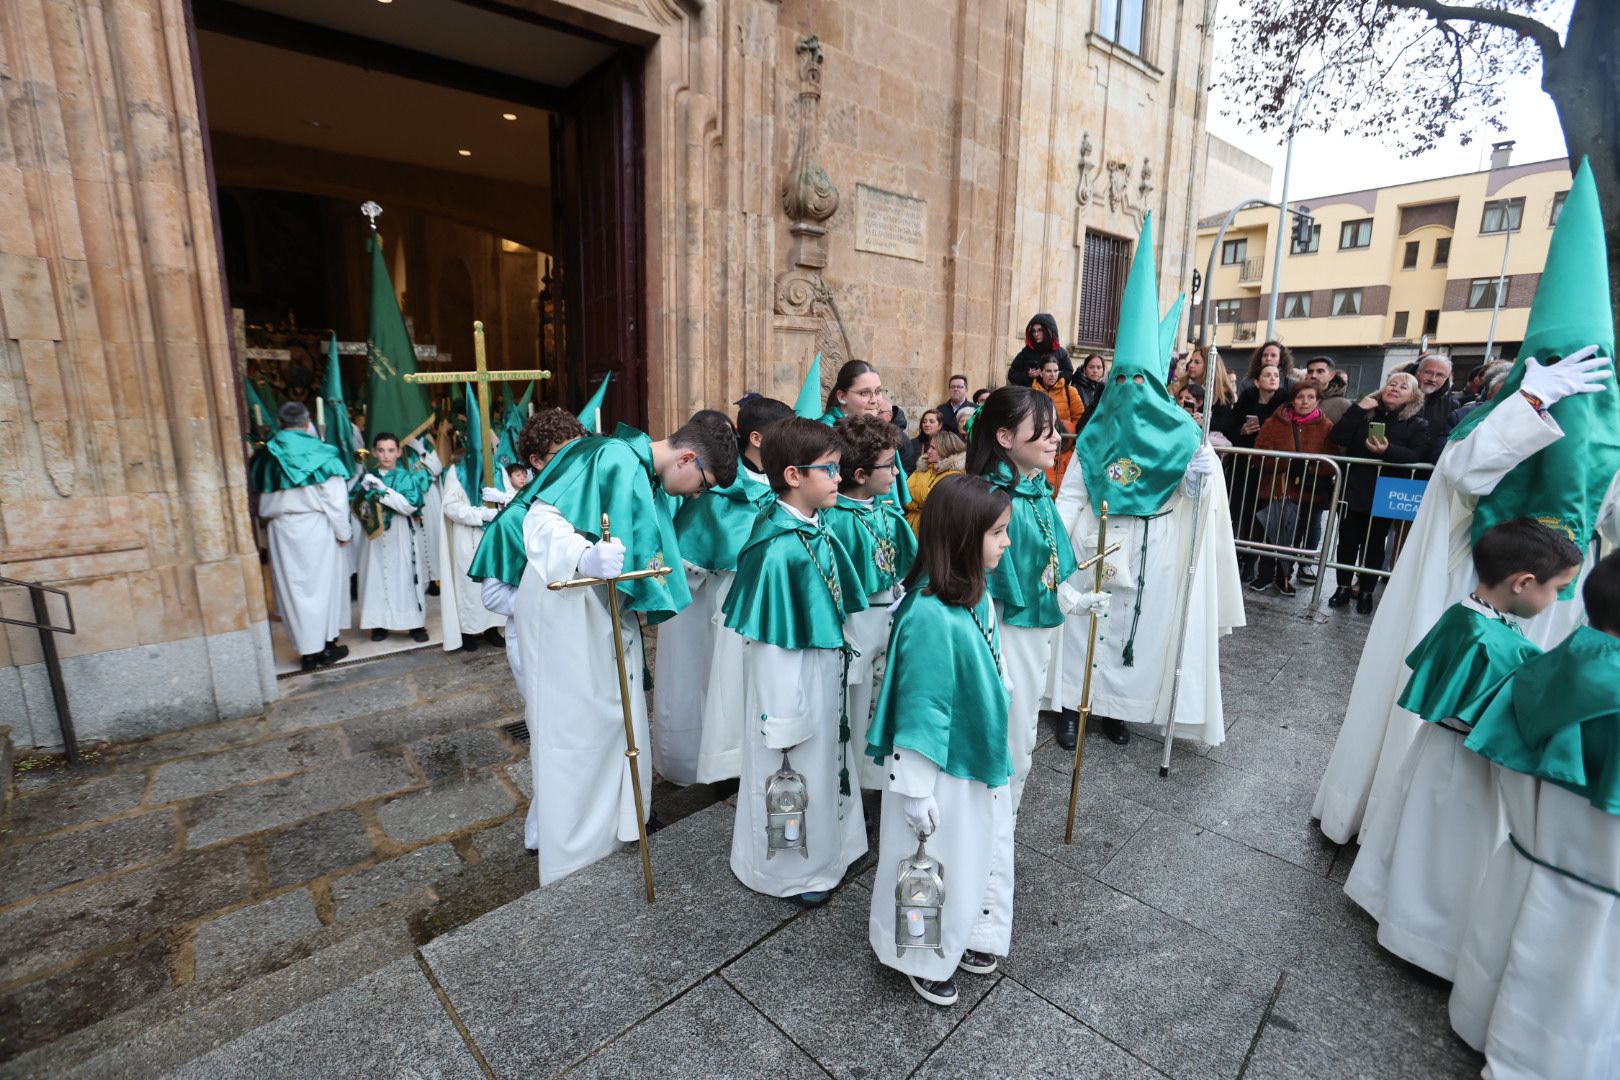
<point>1252,419</point>
<point>1375,429</point>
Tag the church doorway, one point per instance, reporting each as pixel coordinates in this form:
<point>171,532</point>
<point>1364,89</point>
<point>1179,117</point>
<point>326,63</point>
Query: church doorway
<point>505,150</point>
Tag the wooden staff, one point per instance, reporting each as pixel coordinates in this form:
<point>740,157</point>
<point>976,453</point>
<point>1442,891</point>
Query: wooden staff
<point>1096,563</point>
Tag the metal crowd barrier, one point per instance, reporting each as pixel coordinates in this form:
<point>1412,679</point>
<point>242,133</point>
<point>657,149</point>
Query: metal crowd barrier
<point>1290,508</point>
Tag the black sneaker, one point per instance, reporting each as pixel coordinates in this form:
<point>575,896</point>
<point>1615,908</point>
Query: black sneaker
<point>419,635</point>
<point>379,634</point>
<point>1285,586</point>
<point>1307,577</point>
<point>1259,584</point>
<point>942,992</point>
<point>977,963</point>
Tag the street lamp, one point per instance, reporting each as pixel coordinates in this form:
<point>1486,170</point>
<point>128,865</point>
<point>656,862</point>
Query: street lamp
<point>1282,207</point>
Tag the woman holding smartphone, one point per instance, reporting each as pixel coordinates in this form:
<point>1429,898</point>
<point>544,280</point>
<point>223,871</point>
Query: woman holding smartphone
<point>1387,425</point>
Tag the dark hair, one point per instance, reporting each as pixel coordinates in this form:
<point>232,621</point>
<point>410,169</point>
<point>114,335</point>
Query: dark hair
<point>953,378</point>
<point>865,438</point>
<point>794,441</point>
<point>293,414</point>
<point>1007,408</point>
<point>381,435</point>
<point>1196,390</point>
<point>1600,594</point>
<point>1301,387</point>
<point>950,538</point>
<point>546,430</point>
<point>1285,365</point>
<point>710,436</point>
<point>985,390</point>
<point>759,413</point>
<point>1523,545</point>
<point>518,466</point>
<point>1328,360</point>
<point>852,370</point>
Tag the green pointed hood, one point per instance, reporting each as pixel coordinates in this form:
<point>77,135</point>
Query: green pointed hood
<point>471,465</point>
<point>1169,325</point>
<point>1136,446</point>
<point>809,403</point>
<point>1563,485</point>
<point>591,414</point>
<point>339,431</point>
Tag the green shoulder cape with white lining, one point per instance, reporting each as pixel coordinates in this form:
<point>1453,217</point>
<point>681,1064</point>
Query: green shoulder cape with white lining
<point>1460,663</point>
<point>794,585</point>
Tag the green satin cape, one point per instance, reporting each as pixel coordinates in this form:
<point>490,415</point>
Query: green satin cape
<point>613,475</point>
<point>900,494</point>
<point>294,459</point>
<point>780,597</point>
<point>713,527</point>
<point>500,553</point>
<point>858,528</point>
<point>1460,662</point>
<point>1025,581</point>
<point>1558,718</point>
<point>943,696</point>
<point>410,482</point>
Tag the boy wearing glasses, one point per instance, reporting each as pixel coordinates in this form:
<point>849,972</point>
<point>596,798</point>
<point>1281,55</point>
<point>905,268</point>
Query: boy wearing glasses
<point>795,586</point>
<point>584,804</point>
<point>882,547</point>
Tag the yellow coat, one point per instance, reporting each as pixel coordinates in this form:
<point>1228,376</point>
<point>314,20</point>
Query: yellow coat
<point>922,482</point>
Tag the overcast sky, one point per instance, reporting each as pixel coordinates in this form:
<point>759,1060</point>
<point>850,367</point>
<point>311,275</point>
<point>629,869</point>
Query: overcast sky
<point>1325,164</point>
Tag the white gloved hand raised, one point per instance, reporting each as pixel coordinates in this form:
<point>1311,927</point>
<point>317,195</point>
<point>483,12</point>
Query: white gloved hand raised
<point>1582,372</point>
<point>496,495</point>
<point>921,814</point>
<point>371,483</point>
<point>417,445</point>
<point>603,559</point>
<point>488,514</point>
<point>1204,462</point>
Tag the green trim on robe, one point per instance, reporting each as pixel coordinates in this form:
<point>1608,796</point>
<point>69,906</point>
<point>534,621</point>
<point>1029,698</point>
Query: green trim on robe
<point>713,527</point>
<point>500,553</point>
<point>293,459</point>
<point>410,482</point>
<point>614,474</point>
<point>1558,718</point>
<point>1022,580</point>
<point>943,696</point>
<point>779,598</point>
<point>900,494</point>
<point>1460,662</point>
<point>858,525</point>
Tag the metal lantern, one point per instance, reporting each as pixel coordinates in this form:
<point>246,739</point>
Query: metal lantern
<point>919,902</point>
<point>785,801</point>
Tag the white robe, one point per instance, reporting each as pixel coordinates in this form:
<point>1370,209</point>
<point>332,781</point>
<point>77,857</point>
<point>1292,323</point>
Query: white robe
<point>724,698</point>
<point>461,605</point>
<point>308,569</point>
<point>974,845</point>
<point>1141,692</point>
<point>685,650</point>
<point>584,805</point>
<point>433,514</point>
<point>1434,571</point>
<point>868,632</point>
<point>501,599</point>
<point>792,700</point>
<point>1029,653</point>
<point>1538,978</point>
<point>393,580</point>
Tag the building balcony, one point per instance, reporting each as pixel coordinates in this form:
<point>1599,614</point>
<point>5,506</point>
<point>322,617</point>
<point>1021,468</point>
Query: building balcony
<point>1253,269</point>
<point>1243,331</point>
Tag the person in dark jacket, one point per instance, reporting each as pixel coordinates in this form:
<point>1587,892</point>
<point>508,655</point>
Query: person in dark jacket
<point>1253,408</point>
<point>1090,380</point>
<point>958,389</point>
<point>1040,342</point>
<point>907,450</point>
<point>1434,378</point>
<point>1399,407</point>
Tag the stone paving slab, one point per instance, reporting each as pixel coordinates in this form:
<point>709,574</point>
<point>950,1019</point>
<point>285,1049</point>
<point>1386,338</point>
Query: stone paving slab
<point>343,702</point>
<point>246,810</point>
<point>1104,819</point>
<point>35,1013</point>
<point>65,805</point>
<point>444,808</point>
<point>545,980</point>
<point>191,777</point>
<point>366,889</point>
<point>251,930</point>
<point>334,841</point>
<point>389,1024</point>
<point>460,754</point>
<point>434,717</point>
<point>29,869</point>
<point>1277,751</point>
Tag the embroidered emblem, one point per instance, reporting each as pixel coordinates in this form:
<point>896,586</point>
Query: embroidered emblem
<point>656,562</point>
<point>1124,472</point>
<point>1558,525</point>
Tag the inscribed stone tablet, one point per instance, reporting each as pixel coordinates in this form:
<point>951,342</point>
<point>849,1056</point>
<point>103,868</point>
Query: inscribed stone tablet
<point>890,224</point>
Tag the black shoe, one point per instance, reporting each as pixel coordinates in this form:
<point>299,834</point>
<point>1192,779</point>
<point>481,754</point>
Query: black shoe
<point>1364,603</point>
<point>808,900</point>
<point>942,992</point>
<point>469,644</point>
<point>1068,732</point>
<point>419,635</point>
<point>1307,577</point>
<point>1285,587</point>
<point>379,634</point>
<point>433,588</point>
<point>1340,597</point>
<point>1116,730</point>
<point>1259,584</point>
<point>309,661</point>
<point>494,637</point>
<point>333,653</point>
<point>977,963</point>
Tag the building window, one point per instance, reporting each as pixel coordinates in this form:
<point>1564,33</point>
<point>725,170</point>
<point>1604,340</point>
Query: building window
<point>1347,301</point>
<point>1310,246</point>
<point>1502,215</point>
<point>1120,21</point>
<point>1410,256</point>
<point>1234,251</point>
<point>1482,293</point>
<point>1400,324</point>
<point>1296,305</point>
<point>1355,234</point>
<point>1431,323</point>
<point>1557,208</point>
<point>1228,312</point>
<point>1442,251</point>
<point>1105,263</point>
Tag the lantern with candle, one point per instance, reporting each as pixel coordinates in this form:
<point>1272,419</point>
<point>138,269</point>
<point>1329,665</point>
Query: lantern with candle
<point>785,801</point>
<point>919,902</point>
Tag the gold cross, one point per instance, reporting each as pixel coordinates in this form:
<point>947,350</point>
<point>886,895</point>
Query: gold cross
<point>482,378</point>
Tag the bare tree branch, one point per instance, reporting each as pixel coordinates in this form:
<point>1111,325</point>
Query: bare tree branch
<point>1545,37</point>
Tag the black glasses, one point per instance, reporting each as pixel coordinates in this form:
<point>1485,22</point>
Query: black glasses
<point>703,474</point>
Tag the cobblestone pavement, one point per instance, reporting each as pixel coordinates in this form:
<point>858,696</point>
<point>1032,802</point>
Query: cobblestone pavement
<point>339,888</point>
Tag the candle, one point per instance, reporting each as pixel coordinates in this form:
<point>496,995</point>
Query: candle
<point>790,829</point>
<point>258,416</point>
<point>320,413</point>
<point>914,923</point>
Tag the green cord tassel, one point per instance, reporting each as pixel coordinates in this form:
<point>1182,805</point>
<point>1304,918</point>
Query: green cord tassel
<point>1141,582</point>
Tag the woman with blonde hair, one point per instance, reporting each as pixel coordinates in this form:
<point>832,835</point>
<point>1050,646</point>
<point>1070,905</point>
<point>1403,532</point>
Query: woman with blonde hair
<point>943,456</point>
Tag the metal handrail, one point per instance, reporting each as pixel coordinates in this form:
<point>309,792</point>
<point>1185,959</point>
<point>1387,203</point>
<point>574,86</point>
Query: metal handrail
<point>47,628</point>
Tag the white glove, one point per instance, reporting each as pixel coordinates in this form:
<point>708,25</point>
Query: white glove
<point>1582,372</point>
<point>1072,601</point>
<point>921,814</point>
<point>1204,462</point>
<point>371,483</point>
<point>417,445</point>
<point>496,495</point>
<point>487,514</point>
<point>603,559</point>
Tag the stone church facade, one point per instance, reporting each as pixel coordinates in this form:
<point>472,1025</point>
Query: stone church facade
<point>900,181</point>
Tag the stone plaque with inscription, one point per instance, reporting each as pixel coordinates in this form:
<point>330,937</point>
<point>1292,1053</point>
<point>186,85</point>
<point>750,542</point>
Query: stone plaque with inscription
<point>887,223</point>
